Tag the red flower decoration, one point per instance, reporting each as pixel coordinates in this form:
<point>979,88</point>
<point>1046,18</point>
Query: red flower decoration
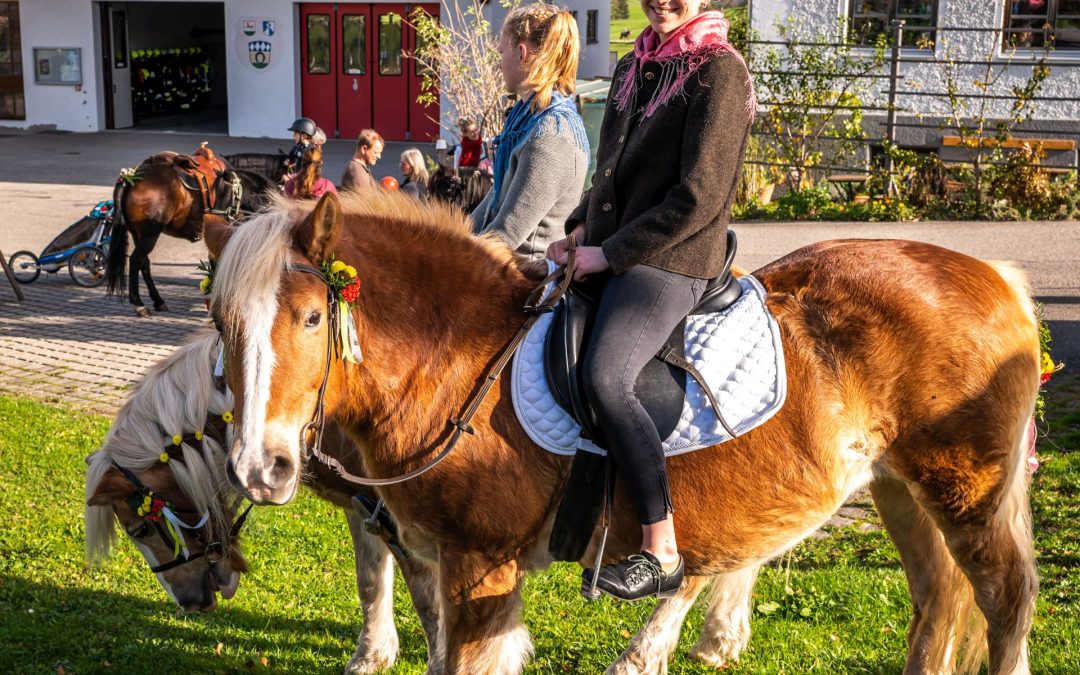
<point>350,292</point>
<point>1044,378</point>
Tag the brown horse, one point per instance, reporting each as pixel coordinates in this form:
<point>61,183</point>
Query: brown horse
<point>910,368</point>
<point>172,194</point>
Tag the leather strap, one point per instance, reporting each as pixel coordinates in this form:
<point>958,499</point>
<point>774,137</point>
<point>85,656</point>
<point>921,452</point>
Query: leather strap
<point>667,354</point>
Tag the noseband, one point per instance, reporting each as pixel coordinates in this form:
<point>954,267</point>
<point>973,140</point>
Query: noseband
<point>214,551</point>
<point>536,306</point>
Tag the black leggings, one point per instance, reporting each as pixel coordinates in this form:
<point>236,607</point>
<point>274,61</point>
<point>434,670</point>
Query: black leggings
<point>638,310</point>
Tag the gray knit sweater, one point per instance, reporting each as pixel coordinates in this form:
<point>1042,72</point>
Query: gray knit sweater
<point>542,186</point>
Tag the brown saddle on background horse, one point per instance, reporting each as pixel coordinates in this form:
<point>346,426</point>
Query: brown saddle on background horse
<point>198,171</point>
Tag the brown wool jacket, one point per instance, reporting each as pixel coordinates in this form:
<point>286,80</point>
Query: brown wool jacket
<point>664,185</point>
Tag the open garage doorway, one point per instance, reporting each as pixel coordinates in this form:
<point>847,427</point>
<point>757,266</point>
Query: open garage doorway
<point>164,66</point>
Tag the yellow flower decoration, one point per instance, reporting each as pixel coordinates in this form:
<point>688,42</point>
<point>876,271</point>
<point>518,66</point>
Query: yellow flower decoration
<point>163,458</point>
<point>198,435</point>
<point>349,269</point>
<point>204,285</point>
<point>337,266</point>
<point>177,439</point>
<point>227,417</point>
<point>1047,365</point>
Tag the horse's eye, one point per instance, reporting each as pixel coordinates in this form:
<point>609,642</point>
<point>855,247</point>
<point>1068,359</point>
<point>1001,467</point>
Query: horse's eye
<point>141,531</point>
<point>217,324</point>
<point>313,319</point>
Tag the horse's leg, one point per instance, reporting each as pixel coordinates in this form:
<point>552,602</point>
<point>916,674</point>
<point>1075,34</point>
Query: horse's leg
<point>377,647</point>
<point>727,619</point>
<point>419,577</point>
<point>139,253</point>
<point>151,287</point>
<point>984,515</point>
<point>649,650</point>
<point>480,614</point>
<point>941,598</point>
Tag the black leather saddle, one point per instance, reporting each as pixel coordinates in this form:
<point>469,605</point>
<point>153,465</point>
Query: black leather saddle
<point>661,388</point>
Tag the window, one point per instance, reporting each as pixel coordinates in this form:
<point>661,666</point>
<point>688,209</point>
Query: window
<point>353,44</point>
<point>119,39</point>
<point>870,19</point>
<point>12,100</point>
<point>318,44</point>
<point>1031,23</point>
<point>592,17</point>
<point>389,44</point>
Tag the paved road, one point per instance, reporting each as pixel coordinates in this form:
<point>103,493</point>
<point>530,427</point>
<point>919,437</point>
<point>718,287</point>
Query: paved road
<point>71,344</point>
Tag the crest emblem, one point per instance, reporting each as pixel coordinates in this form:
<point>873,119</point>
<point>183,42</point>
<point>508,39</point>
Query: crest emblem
<point>268,28</point>
<point>259,53</point>
<point>249,28</point>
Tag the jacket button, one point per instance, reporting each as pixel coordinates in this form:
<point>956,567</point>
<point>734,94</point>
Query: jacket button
<point>622,138</point>
<point>650,76</point>
<point>607,172</point>
<point>606,207</point>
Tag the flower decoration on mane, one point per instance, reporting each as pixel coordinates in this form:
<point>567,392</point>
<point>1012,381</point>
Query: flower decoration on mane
<point>208,268</point>
<point>342,278</point>
<point>129,176</point>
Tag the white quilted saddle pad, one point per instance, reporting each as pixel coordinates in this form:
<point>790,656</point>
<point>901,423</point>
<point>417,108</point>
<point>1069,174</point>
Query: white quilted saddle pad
<point>737,351</point>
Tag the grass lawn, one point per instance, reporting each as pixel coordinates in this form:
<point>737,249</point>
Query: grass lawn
<point>844,608</point>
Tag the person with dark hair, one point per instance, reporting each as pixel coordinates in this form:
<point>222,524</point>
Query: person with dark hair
<point>304,131</point>
<point>654,229</point>
<point>542,154</point>
<point>308,182</point>
<point>369,147</point>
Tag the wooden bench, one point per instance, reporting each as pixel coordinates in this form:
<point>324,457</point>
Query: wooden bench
<point>1010,143</point>
<point>849,184</point>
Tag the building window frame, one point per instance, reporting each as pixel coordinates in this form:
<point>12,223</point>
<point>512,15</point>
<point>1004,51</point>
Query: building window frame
<point>913,35</point>
<point>12,84</point>
<point>592,22</point>
<point>1032,36</point>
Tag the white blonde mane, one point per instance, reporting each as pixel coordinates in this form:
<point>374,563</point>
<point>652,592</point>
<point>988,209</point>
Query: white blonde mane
<point>174,397</point>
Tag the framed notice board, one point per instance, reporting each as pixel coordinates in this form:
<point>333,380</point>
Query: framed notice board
<point>58,65</point>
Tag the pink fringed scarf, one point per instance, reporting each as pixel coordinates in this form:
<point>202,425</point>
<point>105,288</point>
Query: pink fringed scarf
<point>685,50</point>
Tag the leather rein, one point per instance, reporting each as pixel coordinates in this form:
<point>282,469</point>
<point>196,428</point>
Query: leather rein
<point>535,306</point>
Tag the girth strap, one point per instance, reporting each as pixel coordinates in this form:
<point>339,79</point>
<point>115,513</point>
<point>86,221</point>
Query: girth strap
<point>667,354</point>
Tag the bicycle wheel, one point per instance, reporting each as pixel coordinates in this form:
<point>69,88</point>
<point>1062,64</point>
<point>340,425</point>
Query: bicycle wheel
<point>24,265</point>
<point>87,266</point>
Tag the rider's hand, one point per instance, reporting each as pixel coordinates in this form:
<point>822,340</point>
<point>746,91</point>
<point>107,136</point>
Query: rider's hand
<point>589,260</point>
<point>557,250</point>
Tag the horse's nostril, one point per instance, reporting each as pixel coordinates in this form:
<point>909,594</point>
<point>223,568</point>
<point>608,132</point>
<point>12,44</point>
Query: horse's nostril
<point>282,468</point>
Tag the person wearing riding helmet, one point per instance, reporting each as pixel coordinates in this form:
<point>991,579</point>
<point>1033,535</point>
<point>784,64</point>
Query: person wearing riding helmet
<point>304,130</point>
<point>542,154</point>
<point>674,132</point>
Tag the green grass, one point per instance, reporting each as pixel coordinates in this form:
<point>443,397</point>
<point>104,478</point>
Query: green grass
<point>844,608</point>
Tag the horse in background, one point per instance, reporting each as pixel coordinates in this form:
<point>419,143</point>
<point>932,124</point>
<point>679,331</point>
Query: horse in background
<point>172,194</point>
<point>464,188</point>
<point>180,395</point>
<point>910,368</point>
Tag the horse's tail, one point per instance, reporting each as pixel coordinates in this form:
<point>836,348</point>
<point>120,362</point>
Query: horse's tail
<point>115,275</point>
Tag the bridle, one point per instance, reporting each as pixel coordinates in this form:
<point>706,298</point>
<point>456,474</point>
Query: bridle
<point>235,195</point>
<point>213,551</point>
<point>311,434</point>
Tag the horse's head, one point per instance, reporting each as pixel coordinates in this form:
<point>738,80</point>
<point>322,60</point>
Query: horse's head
<point>276,322</point>
<point>193,554</point>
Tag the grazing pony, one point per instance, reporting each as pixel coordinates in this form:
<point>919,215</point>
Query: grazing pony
<point>172,194</point>
<point>910,368</point>
<point>464,188</point>
<point>180,395</point>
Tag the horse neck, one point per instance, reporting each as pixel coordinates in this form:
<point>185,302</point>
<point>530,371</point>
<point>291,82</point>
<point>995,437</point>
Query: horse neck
<point>426,346</point>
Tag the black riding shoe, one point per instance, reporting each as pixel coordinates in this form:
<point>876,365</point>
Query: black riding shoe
<point>639,576</point>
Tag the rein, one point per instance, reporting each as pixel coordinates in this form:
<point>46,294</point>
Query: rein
<point>536,306</point>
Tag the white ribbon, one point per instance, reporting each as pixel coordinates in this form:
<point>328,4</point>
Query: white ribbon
<point>179,524</point>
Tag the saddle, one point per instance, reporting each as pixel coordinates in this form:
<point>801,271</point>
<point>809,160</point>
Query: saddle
<point>197,171</point>
<point>660,387</point>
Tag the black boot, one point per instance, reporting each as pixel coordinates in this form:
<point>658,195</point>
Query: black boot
<point>639,576</point>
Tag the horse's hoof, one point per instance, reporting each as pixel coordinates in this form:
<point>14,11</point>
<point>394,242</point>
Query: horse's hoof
<point>142,311</point>
<point>161,308</point>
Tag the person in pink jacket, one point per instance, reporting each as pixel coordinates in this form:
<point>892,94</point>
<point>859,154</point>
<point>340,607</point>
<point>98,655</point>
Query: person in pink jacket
<point>308,182</point>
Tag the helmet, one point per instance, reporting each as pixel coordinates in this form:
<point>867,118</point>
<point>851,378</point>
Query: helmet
<point>389,183</point>
<point>304,125</point>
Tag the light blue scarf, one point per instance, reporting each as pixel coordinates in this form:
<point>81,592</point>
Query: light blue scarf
<point>523,123</point>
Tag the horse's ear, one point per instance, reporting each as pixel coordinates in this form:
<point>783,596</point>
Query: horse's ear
<point>216,233</point>
<point>317,235</point>
<point>112,485</point>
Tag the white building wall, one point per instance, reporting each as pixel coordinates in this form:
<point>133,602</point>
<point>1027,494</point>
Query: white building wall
<point>263,103</point>
<point>922,74</point>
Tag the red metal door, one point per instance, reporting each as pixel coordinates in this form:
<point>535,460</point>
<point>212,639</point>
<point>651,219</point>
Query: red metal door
<point>423,120</point>
<point>318,72</point>
<point>354,101</point>
<point>390,85</point>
